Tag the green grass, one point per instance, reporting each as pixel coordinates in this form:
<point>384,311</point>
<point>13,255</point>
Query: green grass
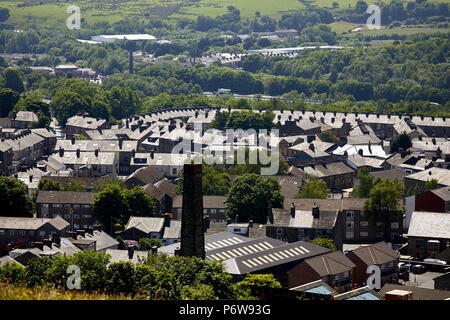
<point>400,31</point>
<point>53,14</point>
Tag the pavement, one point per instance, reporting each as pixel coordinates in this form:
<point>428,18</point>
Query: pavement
<point>424,280</point>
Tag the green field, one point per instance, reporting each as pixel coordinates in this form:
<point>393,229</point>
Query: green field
<point>53,13</point>
<point>399,31</point>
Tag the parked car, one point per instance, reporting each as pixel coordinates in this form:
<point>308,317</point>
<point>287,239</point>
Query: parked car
<point>405,266</point>
<point>436,261</point>
<point>418,269</point>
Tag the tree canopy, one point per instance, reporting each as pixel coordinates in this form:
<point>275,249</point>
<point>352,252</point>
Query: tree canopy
<point>250,196</point>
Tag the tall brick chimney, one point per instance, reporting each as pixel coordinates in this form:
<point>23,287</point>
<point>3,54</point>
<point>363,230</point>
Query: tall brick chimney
<point>192,237</point>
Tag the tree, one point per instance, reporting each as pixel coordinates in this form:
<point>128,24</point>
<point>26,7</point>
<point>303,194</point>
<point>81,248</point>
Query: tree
<point>328,136</point>
<point>403,141</point>
<point>111,203</point>
<point>314,189</point>
<point>384,204</point>
<point>148,243</point>
<point>73,185</point>
<point>250,196</point>
<point>139,203</point>
<point>259,280</point>
<point>214,181</point>
<point>4,14</point>
<point>361,6</point>
<point>13,80</point>
<point>365,183</point>
<point>8,98</point>
<point>14,199</point>
<point>431,184</point>
<point>324,242</point>
<point>115,203</point>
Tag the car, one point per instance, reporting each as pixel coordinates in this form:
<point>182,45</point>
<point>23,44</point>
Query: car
<point>435,261</point>
<point>418,269</point>
<point>405,266</point>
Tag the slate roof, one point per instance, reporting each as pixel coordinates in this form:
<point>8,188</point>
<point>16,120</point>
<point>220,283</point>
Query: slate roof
<point>273,257</point>
<point>305,219</point>
<point>326,204</point>
<point>443,193</point>
<point>330,169</point>
<point>85,122</point>
<point>146,224</point>
<point>377,253</point>
<point>173,231</point>
<point>85,158</point>
<point>209,202</point>
<point>31,223</point>
<point>330,263</point>
<point>26,116</point>
<point>69,197</point>
<point>103,240</point>
<point>144,176</point>
<point>242,249</point>
<point>122,255</point>
<point>429,225</point>
<point>441,175</point>
<point>92,145</point>
<point>212,242</point>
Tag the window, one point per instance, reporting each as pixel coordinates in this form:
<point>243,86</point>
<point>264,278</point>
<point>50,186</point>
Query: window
<point>76,226</point>
<point>380,234</point>
<point>67,206</point>
<point>336,277</point>
<point>350,214</point>
<point>44,205</point>
<point>86,206</point>
<point>42,233</point>
<point>22,232</point>
<point>205,210</point>
<point>11,232</point>
<point>350,224</point>
<point>364,223</point>
<point>2,232</point>
<point>213,210</point>
<point>363,234</point>
<point>379,224</point>
<point>76,206</point>
<point>346,274</point>
<point>236,229</point>
<point>279,231</point>
<point>32,233</point>
<point>76,216</point>
<point>67,215</point>
<point>221,210</point>
<point>56,205</point>
<point>349,235</point>
<point>174,171</point>
<point>394,225</point>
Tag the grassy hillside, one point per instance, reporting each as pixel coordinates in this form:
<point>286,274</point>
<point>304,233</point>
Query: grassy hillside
<point>53,12</point>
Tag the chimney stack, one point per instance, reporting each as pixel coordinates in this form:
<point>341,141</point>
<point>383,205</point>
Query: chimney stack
<point>192,225</point>
<point>130,252</point>
<point>316,211</point>
<point>96,152</point>
<point>311,147</point>
<point>270,213</point>
<point>73,140</point>
<point>206,223</point>
<point>228,221</point>
<point>167,220</point>
<point>293,210</point>
<point>61,152</point>
<point>78,153</point>
<point>120,143</point>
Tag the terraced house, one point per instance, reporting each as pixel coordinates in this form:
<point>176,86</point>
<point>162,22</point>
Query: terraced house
<point>74,207</point>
